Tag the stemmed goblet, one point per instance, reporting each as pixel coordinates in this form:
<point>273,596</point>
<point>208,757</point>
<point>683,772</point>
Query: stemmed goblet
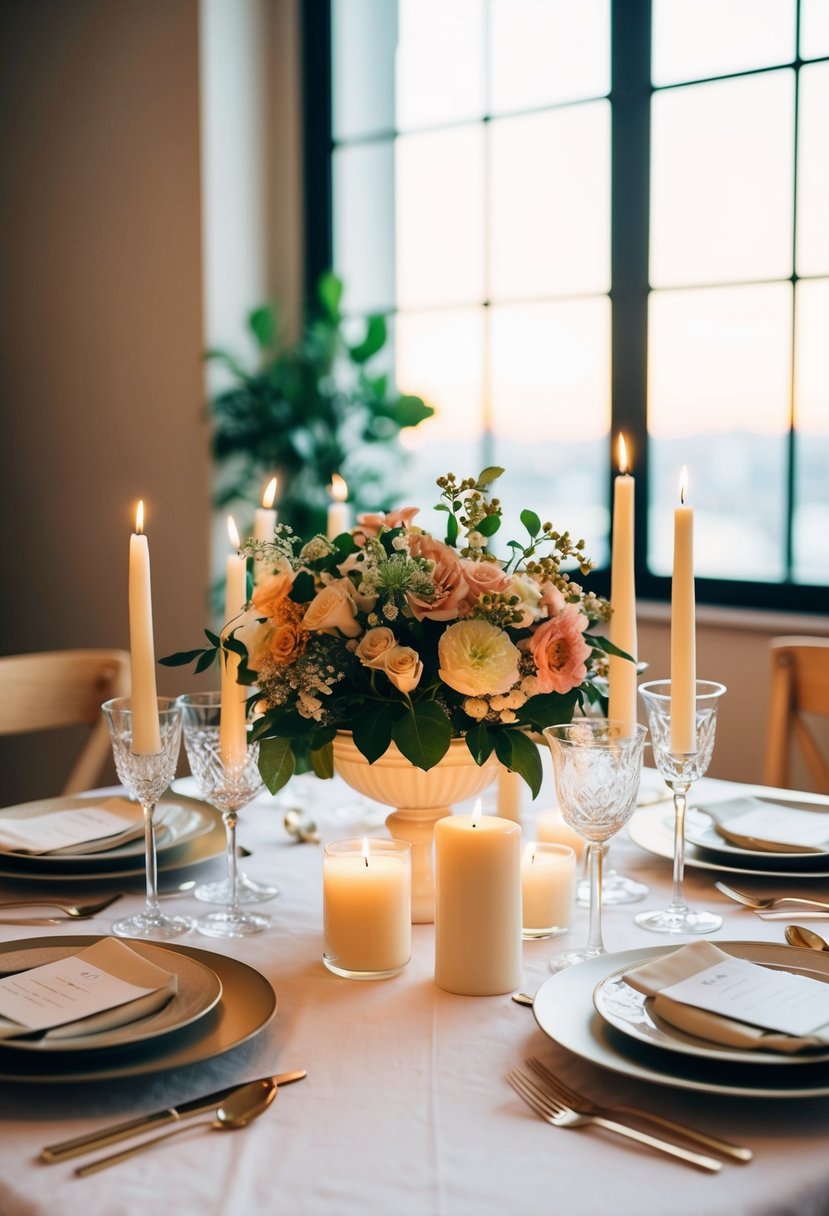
<point>679,770</point>
<point>228,784</point>
<point>145,777</point>
<point>597,763</point>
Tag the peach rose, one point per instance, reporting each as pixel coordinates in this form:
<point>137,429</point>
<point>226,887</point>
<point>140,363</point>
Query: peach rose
<point>333,610</point>
<point>552,599</point>
<point>374,646</point>
<point>286,643</point>
<point>269,594</point>
<point>560,652</point>
<point>403,667</point>
<point>482,578</point>
<point>451,588</point>
<point>477,658</point>
<point>371,523</point>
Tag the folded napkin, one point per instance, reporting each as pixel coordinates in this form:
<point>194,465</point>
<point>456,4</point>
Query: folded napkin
<point>757,823</point>
<point>661,979</point>
<point>79,826</point>
<point>100,988</point>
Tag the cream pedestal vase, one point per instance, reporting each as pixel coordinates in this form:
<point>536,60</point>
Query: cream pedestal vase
<point>421,798</point>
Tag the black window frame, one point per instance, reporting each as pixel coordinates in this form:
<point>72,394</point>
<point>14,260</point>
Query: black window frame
<point>630,99</point>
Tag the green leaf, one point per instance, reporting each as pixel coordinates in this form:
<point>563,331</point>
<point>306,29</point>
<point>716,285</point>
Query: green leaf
<point>410,411</point>
<point>302,591</point>
<point>207,659</point>
<point>600,643</point>
<point>330,293</point>
<point>213,638</point>
<point>479,741</point>
<point>489,525</point>
<point>423,734</point>
<point>230,362</point>
<point>374,340</point>
<point>487,476</point>
<point>531,522</point>
<point>183,657</point>
<point>451,530</point>
<point>524,757</point>
<point>372,731</point>
<point>262,324</point>
<point>322,761</point>
<point>549,709</point>
<point>276,763</point>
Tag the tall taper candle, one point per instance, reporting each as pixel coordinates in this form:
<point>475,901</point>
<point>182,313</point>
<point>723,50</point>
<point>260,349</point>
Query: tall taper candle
<point>232,726</point>
<point>683,629</point>
<point>264,517</point>
<point>339,516</point>
<point>146,736</point>
<point>622,674</point>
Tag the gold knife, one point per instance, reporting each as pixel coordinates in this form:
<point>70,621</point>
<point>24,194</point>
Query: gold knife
<point>135,1127</point>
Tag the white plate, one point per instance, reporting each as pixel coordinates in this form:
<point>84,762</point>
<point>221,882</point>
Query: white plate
<point>179,821</point>
<point>199,991</point>
<point>652,828</point>
<point>563,1008</point>
<point>700,830</point>
<point>633,1013</point>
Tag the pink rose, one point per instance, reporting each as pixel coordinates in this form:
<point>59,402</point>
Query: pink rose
<point>451,588</point>
<point>371,523</point>
<point>482,578</point>
<point>560,652</point>
<point>552,599</point>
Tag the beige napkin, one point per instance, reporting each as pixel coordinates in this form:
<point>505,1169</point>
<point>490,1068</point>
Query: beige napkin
<point>688,961</point>
<point>117,959</point>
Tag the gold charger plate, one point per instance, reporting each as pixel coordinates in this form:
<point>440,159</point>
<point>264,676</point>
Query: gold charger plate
<point>199,991</point>
<point>248,1004</point>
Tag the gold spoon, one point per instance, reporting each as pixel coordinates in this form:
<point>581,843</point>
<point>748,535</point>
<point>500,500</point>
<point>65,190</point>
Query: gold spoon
<point>237,1110</point>
<point>796,935</point>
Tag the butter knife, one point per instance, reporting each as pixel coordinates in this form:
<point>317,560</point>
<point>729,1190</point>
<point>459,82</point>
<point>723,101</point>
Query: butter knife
<point>136,1127</point>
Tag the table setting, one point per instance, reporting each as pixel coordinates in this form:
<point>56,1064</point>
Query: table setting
<point>468,1036</point>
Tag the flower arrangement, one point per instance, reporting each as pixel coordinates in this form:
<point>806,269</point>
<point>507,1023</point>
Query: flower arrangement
<point>397,636</point>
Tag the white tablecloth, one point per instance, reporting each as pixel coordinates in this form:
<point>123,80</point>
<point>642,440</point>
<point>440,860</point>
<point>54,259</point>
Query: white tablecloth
<point>406,1109</point>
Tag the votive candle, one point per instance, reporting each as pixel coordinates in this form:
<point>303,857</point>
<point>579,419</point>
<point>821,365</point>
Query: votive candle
<point>548,883</point>
<point>551,828</point>
<point>367,907</point>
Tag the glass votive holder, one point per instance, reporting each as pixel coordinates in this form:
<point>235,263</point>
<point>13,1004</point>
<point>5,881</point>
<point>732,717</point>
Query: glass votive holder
<point>548,882</point>
<point>367,907</point>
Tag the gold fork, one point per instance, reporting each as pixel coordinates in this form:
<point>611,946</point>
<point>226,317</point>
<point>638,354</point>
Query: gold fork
<point>73,911</point>
<point>557,1087</point>
<point>560,1115</point>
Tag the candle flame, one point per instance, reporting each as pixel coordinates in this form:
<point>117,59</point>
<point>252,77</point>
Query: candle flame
<point>476,812</point>
<point>365,850</point>
<point>139,516</point>
<point>269,496</point>
<point>338,488</point>
<point>683,485</point>
<point>233,532</point>
<point>623,454</point>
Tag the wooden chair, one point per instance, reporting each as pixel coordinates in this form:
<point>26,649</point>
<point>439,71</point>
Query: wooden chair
<point>64,688</point>
<point>799,685</point>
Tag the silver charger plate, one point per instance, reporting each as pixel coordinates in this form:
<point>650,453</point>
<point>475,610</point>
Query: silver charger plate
<point>563,1008</point>
<point>247,1005</point>
<point>633,1014</point>
<point>652,828</point>
<point>701,830</point>
<point>199,991</point>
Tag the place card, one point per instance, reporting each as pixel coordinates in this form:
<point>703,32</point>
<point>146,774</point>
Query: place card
<point>772,1000</point>
<point>99,988</point>
<point>66,829</point>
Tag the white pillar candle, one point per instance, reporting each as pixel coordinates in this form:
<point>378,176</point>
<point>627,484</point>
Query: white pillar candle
<point>683,630</point>
<point>510,786</point>
<point>367,907</point>
<point>551,828</point>
<point>264,517</point>
<point>622,674</point>
<point>232,725</point>
<point>339,515</point>
<point>548,883</point>
<point>477,904</point>
<point>146,736</point>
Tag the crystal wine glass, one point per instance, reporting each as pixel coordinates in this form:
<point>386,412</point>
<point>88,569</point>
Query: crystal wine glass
<point>227,785</point>
<point>597,763</point>
<point>679,770</point>
<point>145,778</point>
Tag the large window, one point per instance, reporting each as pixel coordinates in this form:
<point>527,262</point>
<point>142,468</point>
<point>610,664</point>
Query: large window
<point>582,217</point>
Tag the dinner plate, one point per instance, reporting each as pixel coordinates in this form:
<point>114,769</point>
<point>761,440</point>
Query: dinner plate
<point>700,830</point>
<point>633,1013</point>
<point>199,991</point>
<point>179,821</point>
<point>247,1005</point>
<point>653,830</point>
<point>563,1008</point>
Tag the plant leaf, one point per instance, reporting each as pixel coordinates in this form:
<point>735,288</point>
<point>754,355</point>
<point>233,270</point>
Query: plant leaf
<point>451,529</point>
<point>601,643</point>
<point>531,522</point>
<point>489,525</point>
<point>207,659</point>
<point>262,324</point>
<point>524,757</point>
<point>330,292</point>
<point>374,340</point>
<point>372,731</point>
<point>423,734</point>
<point>276,763</point>
<point>549,709</point>
<point>302,590</point>
<point>479,741</point>
<point>183,657</point>
<point>487,476</point>
<point>322,761</point>
<point>409,410</point>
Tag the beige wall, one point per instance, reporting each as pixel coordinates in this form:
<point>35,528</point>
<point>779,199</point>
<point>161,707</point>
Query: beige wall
<point>101,384</point>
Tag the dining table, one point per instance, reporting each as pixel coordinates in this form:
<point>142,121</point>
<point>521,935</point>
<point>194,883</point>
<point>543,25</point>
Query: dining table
<point>406,1108</point>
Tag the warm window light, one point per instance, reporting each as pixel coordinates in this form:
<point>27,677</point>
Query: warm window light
<point>476,812</point>
<point>338,488</point>
<point>623,454</point>
<point>269,497</point>
<point>683,485</point>
<point>233,533</point>
<point>365,850</point>
<point>139,516</point>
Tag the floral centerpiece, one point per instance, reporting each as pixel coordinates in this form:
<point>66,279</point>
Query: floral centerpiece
<point>397,636</point>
